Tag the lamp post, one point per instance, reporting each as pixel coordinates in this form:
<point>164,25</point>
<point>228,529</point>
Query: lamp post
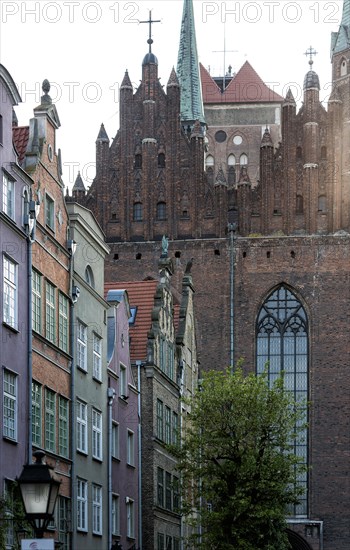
<point>39,487</point>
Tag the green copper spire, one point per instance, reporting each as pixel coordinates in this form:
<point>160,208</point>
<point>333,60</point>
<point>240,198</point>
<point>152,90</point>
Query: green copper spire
<point>188,69</point>
<point>341,39</point>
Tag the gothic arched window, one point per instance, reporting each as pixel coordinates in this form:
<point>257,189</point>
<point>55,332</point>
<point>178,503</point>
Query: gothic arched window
<point>137,211</point>
<point>282,345</point>
<point>89,276</point>
<point>209,161</point>
<point>161,160</point>
<point>343,67</point>
<point>243,159</point>
<point>138,161</point>
<point>161,210</point>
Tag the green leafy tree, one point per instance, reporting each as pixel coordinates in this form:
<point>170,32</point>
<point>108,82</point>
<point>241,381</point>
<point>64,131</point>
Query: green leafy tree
<point>237,464</point>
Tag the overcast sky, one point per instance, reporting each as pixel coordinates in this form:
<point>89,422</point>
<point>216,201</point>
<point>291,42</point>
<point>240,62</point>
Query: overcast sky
<point>84,48</point>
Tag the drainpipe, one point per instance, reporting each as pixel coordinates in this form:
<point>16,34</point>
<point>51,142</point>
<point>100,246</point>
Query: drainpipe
<point>71,246</point>
<point>30,345</point>
<point>139,364</point>
<point>110,397</point>
<point>32,211</point>
<point>232,229</point>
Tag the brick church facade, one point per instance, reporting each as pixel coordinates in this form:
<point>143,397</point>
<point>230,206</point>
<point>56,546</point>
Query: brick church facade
<point>258,194</point>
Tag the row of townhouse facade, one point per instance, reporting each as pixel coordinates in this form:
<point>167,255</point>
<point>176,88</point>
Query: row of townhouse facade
<point>88,374</point>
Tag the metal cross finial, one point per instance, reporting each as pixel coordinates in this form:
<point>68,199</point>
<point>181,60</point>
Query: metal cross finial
<point>150,21</point>
<point>311,52</point>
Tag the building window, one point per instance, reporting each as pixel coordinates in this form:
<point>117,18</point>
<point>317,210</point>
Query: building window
<point>160,420</point>
<point>282,342</point>
<point>82,444</point>
<point>168,542</point>
<point>50,312</point>
<point>138,162</point>
<point>160,487</point>
<point>96,509</point>
<point>130,448</point>
<point>176,545</point>
<point>10,405</point>
<point>82,346</point>
<point>161,160</point>
<point>63,507</point>
<point>63,425</point>
<point>96,434</point>
<point>82,505</point>
<point>299,204</point>
<point>10,292</point>
<point>324,152</point>
<point>63,322</point>
<point>122,382</point>
<point>49,212</point>
<point>160,541</point>
<point>115,440</point>
<point>36,414</point>
<point>167,425</point>
<point>130,519</point>
<point>243,160</point>
<point>97,362</point>
<point>89,276</point>
<point>137,212</point>
<point>343,67</point>
<point>50,420</point>
<point>231,160</point>
<point>170,370</point>
<point>175,430</point>
<point>322,203</point>
<point>161,211</point>
<point>36,301</point>
<point>176,494</point>
<point>8,195</point>
<point>115,515</point>
<point>1,131</point>
<point>168,491</point>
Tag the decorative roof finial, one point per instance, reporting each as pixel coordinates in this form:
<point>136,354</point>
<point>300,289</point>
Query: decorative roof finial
<point>311,52</point>
<point>150,21</point>
<point>46,86</point>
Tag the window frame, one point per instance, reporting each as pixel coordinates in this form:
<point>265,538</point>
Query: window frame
<point>82,346</point>
<point>50,420</point>
<point>97,440</point>
<point>36,301</point>
<point>123,385</point>
<point>82,427</point>
<point>50,312</point>
<point>63,426</point>
<point>10,292</point>
<point>82,505</point>
<point>8,195</point>
<point>160,419</point>
<point>63,321</point>
<point>50,212</point>
<point>130,518</point>
<point>37,413</point>
<point>97,357</point>
<point>96,509</point>
<point>115,450</point>
<point>115,515</point>
<point>10,405</point>
<point>130,448</point>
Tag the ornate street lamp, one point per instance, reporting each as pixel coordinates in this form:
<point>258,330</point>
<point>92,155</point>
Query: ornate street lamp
<point>39,487</point>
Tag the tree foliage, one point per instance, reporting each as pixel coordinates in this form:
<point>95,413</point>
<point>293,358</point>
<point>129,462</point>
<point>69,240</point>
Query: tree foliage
<point>237,464</point>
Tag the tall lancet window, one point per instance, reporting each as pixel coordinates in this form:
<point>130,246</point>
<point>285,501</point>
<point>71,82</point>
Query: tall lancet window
<point>282,343</point>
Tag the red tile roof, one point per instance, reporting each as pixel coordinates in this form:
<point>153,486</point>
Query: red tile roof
<point>245,87</point>
<point>141,295</point>
<point>20,136</point>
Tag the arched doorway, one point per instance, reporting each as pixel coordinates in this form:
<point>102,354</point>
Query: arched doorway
<point>297,542</point>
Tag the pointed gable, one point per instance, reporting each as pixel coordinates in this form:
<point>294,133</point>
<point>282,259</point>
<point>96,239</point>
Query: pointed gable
<point>245,87</point>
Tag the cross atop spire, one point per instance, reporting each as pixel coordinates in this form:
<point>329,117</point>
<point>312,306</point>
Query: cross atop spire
<point>310,52</point>
<point>150,21</point>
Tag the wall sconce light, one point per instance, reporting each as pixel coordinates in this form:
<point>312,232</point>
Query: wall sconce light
<point>75,293</point>
<point>71,246</point>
